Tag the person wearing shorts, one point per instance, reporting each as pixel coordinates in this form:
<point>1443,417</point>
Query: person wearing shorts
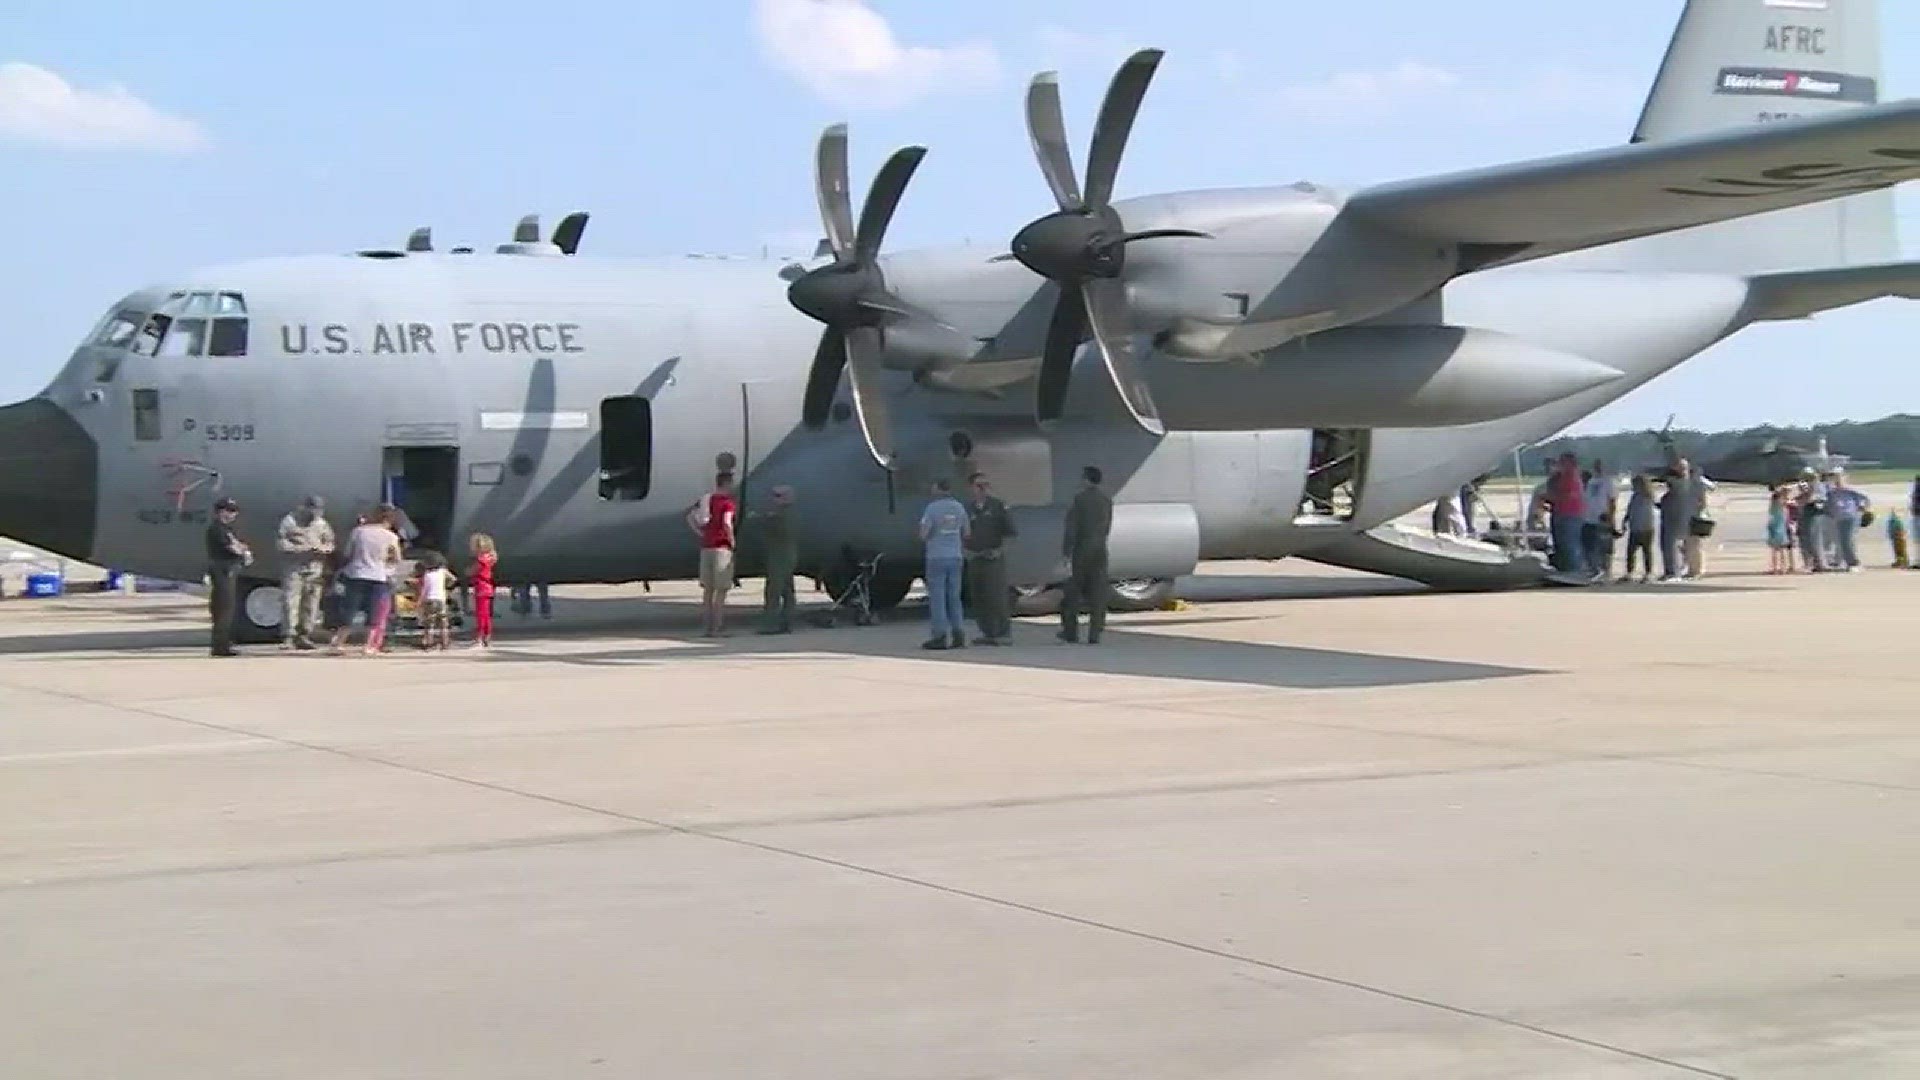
<point>712,518</point>
<point>372,551</point>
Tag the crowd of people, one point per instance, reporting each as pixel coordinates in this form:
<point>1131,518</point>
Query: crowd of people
<point>1813,523</point>
<point>329,586</point>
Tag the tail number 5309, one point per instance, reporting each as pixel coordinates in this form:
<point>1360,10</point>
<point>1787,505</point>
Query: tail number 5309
<point>229,432</point>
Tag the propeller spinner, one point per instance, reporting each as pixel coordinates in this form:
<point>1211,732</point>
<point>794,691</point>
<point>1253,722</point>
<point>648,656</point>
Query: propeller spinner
<point>850,295</point>
<point>1082,246</point>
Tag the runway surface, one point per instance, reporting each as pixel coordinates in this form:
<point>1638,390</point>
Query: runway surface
<point>1317,825</point>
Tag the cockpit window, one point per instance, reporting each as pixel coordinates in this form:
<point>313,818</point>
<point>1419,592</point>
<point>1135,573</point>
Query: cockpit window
<point>187,337</point>
<point>147,343</point>
<point>117,328</point>
<point>204,323</point>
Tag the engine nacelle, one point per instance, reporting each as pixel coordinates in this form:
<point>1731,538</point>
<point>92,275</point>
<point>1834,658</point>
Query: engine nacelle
<point>919,345</point>
<point>1373,377</point>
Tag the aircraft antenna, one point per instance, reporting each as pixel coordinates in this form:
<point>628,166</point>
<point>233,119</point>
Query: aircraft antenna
<point>566,235</point>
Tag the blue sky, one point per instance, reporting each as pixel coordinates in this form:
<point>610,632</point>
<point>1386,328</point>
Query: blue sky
<point>264,129</point>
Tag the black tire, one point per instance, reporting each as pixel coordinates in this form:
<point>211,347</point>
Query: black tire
<point>258,610</point>
<point>1141,594</point>
<point>1137,594</point>
<point>889,590</point>
<point>1037,600</point>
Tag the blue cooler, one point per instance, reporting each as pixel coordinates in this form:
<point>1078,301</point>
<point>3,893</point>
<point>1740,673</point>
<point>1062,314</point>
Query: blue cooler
<point>43,585</point>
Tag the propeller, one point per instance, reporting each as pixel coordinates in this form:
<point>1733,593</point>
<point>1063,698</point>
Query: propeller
<point>1081,247</point>
<point>850,295</point>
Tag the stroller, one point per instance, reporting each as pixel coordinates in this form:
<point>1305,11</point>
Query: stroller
<point>854,602</point>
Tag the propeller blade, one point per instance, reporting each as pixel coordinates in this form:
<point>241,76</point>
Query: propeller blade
<point>1106,300</point>
<point>1117,112</point>
<point>1047,129</point>
<point>566,235</point>
<point>1064,331</point>
<point>823,378</point>
<point>869,398</point>
<point>883,198</point>
<point>831,186</point>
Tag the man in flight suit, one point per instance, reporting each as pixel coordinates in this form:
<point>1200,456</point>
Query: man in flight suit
<point>992,527</point>
<point>225,556</point>
<point>306,540</point>
<point>1084,544</point>
<point>779,529</point>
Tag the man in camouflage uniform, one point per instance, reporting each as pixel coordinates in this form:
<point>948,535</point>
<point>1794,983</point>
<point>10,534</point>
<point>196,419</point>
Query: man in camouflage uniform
<point>780,531</point>
<point>991,528</point>
<point>306,540</point>
<point>1089,519</point>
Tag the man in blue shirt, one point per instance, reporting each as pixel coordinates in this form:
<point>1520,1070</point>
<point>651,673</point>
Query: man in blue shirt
<point>1846,505</point>
<point>944,530</point>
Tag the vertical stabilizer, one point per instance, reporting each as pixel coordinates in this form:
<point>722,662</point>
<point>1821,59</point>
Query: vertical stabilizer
<point>1739,62</point>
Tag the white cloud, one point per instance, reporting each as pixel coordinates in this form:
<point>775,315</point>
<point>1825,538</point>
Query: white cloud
<point>846,52</point>
<point>1417,85</point>
<point>38,105</point>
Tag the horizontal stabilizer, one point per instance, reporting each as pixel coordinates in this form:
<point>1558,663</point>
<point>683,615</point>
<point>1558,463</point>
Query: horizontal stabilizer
<point>1530,210</point>
<point>1804,293</point>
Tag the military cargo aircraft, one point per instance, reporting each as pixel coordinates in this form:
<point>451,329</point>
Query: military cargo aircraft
<point>1261,372</point>
<point>1762,462</point>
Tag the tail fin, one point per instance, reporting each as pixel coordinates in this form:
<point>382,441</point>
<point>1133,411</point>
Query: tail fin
<point>1735,62</point>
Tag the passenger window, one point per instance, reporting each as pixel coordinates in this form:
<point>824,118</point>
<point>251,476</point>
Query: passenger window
<point>146,415</point>
<point>626,448</point>
<point>186,338</point>
<point>229,338</point>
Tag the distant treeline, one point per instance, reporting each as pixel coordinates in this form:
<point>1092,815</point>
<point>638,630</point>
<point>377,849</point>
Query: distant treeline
<point>1894,442</point>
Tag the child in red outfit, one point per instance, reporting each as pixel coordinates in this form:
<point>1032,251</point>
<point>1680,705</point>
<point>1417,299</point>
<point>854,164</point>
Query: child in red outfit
<point>484,558</point>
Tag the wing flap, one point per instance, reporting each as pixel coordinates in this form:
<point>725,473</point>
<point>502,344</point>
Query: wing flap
<point>1529,210</point>
<point>1802,294</point>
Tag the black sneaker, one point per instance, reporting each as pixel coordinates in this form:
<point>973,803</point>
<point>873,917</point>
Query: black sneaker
<point>935,645</point>
<point>957,641</point>
<point>1071,639</point>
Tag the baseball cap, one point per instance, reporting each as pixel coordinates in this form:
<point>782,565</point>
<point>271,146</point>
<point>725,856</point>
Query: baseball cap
<point>226,504</point>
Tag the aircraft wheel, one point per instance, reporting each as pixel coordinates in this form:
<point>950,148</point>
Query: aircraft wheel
<point>1031,600</point>
<point>890,590</point>
<point>1137,594</point>
<point>258,612</point>
<point>1140,594</point>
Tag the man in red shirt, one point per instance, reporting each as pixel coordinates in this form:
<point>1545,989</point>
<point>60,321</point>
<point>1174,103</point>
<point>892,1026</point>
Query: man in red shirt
<point>1566,496</point>
<point>712,519</point>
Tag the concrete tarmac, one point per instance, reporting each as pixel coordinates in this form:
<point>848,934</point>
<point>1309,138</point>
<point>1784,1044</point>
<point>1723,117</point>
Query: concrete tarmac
<point>1318,825</point>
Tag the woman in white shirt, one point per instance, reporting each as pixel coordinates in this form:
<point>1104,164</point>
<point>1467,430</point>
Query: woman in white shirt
<point>370,557</point>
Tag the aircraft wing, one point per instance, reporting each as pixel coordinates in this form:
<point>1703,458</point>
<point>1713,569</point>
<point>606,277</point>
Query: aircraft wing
<point>1512,213</point>
<point>1801,294</point>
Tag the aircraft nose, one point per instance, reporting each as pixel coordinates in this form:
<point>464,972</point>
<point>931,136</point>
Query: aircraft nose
<point>49,479</point>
